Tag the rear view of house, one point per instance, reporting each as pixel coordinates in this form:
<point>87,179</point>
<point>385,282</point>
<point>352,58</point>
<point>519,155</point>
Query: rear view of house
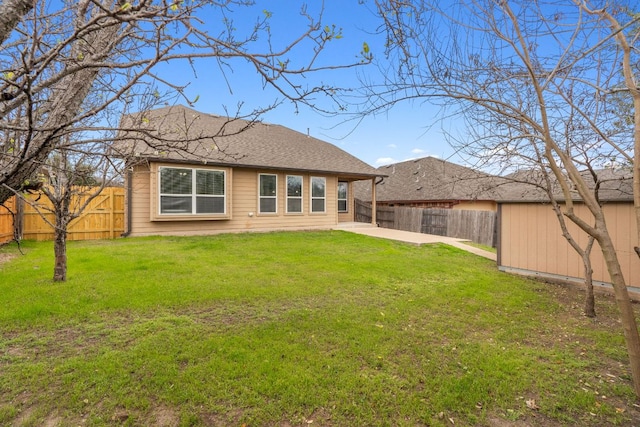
<point>195,173</point>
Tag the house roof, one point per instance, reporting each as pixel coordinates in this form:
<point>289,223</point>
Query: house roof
<point>180,134</point>
<point>431,179</point>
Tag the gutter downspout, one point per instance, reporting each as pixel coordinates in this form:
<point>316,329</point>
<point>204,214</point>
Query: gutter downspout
<point>127,230</point>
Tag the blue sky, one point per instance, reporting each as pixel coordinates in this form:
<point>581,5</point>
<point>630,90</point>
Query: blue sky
<point>407,131</point>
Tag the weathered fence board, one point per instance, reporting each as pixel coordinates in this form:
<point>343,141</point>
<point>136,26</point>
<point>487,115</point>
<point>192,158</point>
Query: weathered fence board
<point>363,211</point>
<point>478,226</point>
<point>409,219</point>
<point>103,218</point>
<point>434,221</point>
<point>385,216</point>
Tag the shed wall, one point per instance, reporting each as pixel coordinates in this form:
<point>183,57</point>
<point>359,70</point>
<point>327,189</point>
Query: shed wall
<point>531,241</point>
<point>244,215</point>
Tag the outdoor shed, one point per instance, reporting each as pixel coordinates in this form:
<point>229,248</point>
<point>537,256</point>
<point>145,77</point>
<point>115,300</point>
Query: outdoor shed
<point>530,240</point>
<point>191,173</point>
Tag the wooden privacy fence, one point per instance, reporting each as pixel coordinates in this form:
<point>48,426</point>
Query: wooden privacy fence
<point>477,226</point>
<point>103,218</point>
<point>362,211</point>
<point>6,220</point>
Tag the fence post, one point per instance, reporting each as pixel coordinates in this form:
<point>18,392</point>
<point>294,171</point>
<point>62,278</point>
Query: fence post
<point>112,208</point>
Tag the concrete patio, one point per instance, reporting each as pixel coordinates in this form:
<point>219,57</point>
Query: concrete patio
<point>411,237</point>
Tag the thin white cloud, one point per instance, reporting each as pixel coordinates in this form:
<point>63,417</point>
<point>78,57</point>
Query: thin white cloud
<point>392,146</point>
<point>385,161</point>
<point>418,151</point>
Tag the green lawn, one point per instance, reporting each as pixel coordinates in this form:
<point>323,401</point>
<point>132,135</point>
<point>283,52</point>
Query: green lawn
<point>298,329</point>
<point>481,246</point>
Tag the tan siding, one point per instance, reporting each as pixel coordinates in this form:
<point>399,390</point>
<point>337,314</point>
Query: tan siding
<point>531,240</point>
<point>243,193</point>
<point>531,234</point>
<point>505,228</point>
<point>479,205</point>
<point>539,245</point>
<point>332,197</point>
<point>518,242</point>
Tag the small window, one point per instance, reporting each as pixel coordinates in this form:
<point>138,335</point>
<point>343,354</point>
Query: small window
<point>294,194</point>
<point>343,196</point>
<point>268,193</point>
<point>318,194</point>
<point>185,191</point>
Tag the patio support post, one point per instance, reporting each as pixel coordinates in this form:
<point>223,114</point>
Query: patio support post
<point>374,203</point>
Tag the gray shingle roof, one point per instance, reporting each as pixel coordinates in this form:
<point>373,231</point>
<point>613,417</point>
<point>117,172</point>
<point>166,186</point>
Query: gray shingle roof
<point>431,179</point>
<point>180,134</point>
<point>527,186</point>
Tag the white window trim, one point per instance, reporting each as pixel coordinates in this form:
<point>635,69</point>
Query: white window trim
<point>260,197</point>
<point>300,197</point>
<point>154,194</point>
<point>338,199</point>
<point>312,198</point>
<point>193,194</point>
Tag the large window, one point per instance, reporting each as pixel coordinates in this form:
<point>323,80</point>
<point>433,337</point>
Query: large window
<point>318,194</point>
<point>294,194</point>
<point>268,193</point>
<point>186,191</point>
<point>343,196</point>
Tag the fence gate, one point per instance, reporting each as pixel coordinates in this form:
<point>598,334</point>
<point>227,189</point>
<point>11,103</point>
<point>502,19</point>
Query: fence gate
<point>434,221</point>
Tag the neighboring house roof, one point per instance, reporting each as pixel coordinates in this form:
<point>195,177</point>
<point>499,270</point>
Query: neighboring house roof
<point>615,184</point>
<point>180,134</point>
<point>431,179</point>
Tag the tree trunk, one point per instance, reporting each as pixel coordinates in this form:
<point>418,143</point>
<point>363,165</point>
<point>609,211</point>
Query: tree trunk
<point>589,301</point>
<point>63,218</point>
<point>18,219</point>
<point>60,250</point>
<point>627,317</point>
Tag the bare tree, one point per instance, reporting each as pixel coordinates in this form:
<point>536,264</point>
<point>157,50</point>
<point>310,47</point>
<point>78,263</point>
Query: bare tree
<point>533,78</point>
<point>75,178</point>
<point>55,54</point>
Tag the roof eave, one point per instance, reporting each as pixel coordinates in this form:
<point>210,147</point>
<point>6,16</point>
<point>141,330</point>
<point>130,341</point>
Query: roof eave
<point>205,162</point>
